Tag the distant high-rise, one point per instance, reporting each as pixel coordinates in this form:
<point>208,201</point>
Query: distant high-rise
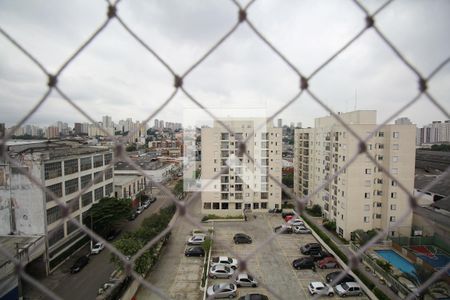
<point>436,132</point>
<point>156,126</point>
<point>280,123</point>
<point>52,132</point>
<point>2,130</point>
<point>78,128</point>
<point>161,124</point>
<point>299,124</point>
<point>107,121</point>
<point>403,121</point>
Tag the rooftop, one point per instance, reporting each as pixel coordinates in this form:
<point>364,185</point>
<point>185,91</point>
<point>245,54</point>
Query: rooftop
<point>13,243</point>
<point>429,160</point>
<point>442,204</point>
<point>124,179</point>
<point>442,186</point>
<point>54,150</point>
<point>145,162</point>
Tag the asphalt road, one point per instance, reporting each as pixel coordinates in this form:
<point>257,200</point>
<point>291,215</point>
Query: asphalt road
<point>85,284</point>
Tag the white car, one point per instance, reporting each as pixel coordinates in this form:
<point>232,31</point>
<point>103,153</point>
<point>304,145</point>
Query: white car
<point>225,260</point>
<point>320,288</point>
<point>139,210</point>
<point>196,240</point>
<point>97,248</point>
<point>295,222</point>
<point>300,229</point>
<point>244,279</point>
<point>223,290</point>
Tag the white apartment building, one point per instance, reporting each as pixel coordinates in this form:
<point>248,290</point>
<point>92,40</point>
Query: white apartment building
<point>246,184</point>
<point>65,169</point>
<point>434,133</point>
<point>362,197</point>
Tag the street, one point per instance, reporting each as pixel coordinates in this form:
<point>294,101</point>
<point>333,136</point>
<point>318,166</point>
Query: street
<point>85,284</point>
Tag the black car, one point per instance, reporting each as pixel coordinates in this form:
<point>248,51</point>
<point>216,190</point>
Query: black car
<point>283,229</point>
<point>241,238</point>
<point>152,199</point>
<point>194,251</point>
<point>311,248</point>
<point>331,276</point>
<point>304,263</point>
<point>112,234</point>
<point>275,210</point>
<point>254,297</point>
<point>79,264</point>
<point>321,254</point>
<point>132,216</point>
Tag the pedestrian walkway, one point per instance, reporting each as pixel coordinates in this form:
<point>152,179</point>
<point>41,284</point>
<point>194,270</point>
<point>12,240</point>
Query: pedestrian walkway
<point>345,248</point>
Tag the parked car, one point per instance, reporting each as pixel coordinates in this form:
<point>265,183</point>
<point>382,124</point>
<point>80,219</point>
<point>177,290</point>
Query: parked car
<point>223,290</point>
<point>254,297</point>
<point>220,271</point>
<point>113,233</point>
<point>195,251</point>
<point>152,199</point>
<point>105,288</point>
<point>295,222</point>
<point>301,230</point>
<point>132,216</point>
<point>321,254</point>
<point>286,213</point>
<point>241,238</point>
<point>288,218</point>
<point>146,204</point>
<point>310,248</point>
<point>225,260</point>
<point>196,239</point>
<point>139,210</point>
<point>333,275</point>
<point>275,210</point>
<point>283,229</point>
<point>328,263</point>
<point>348,289</point>
<point>244,279</point>
<point>304,263</point>
<point>97,248</point>
<point>320,288</point>
<point>80,263</point>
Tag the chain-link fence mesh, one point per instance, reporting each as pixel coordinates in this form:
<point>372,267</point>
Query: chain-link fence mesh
<point>243,18</point>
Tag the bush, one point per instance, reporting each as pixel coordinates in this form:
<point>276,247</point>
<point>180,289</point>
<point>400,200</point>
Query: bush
<point>288,205</point>
<point>330,225</point>
<point>316,210</point>
<point>216,217</point>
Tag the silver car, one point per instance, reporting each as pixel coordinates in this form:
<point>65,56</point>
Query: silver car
<point>220,271</point>
<point>348,289</point>
<point>244,279</point>
<point>222,290</point>
<point>301,229</point>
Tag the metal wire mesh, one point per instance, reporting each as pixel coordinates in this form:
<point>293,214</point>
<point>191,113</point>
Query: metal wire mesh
<point>243,19</point>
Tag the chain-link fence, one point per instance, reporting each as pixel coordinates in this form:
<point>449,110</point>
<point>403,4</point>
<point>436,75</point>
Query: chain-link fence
<point>243,18</point>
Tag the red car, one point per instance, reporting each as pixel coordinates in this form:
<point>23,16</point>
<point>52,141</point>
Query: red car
<point>328,263</point>
<point>287,218</point>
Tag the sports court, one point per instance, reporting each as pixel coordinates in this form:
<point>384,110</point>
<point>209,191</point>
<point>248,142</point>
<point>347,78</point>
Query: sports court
<point>432,255</point>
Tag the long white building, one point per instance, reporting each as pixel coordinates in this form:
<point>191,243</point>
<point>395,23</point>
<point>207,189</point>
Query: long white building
<point>246,184</point>
<point>362,197</point>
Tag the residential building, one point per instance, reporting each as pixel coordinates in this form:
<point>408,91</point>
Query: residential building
<point>435,133</point>
<point>52,132</point>
<point>129,186</point>
<point>2,130</point>
<point>65,169</point>
<point>403,121</point>
<point>362,196</point>
<point>245,184</point>
<point>280,123</point>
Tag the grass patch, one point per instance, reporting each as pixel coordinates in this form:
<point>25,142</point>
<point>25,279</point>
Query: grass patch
<point>216,217</point>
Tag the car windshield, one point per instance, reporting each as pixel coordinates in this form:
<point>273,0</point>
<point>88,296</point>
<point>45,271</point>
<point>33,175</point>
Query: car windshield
<point>229,260</point>
<point>344,286</point>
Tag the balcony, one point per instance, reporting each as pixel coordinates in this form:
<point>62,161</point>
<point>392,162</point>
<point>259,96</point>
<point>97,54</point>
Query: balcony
<point>238,188</point>
<point>224,179</point>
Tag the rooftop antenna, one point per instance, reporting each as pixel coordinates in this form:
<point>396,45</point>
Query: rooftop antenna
<point>356,98</point>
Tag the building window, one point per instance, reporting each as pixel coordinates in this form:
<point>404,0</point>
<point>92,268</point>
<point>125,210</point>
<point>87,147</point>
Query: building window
<point>396,135</point>
<point>381,134</point>
<point>366,219</point>
<point>216,205</point>
<point>255,205</point>
<point>238,205</point>
<point>393,207</point>
<point>55,235</point>
<point>224,196</point>
<point>393,195</point>
<point>108,158</point>
<point>85,163</point>
<point>98,194</point>
<point>380,157</point>
<point>392,219</point>
<point>56,189</point>
<point>224,205</point>
<point>70,166</point>
<point>71,227</point>
<point>52,170</point>
<point>366,195</point>
<point>108,173</point>
<point>395,146</point>
<point>98,161</point>
<point>263,205</point>
<point>394,158</point>
<point>108,189</point>
<point>393,183</point>
<point>85,180</point>
<point>264,196</point>
<point>73,205</point>
<point>366,207</point>
<point>71,186</point>
<point>86,199</point>
<point>53,214</point>
<point>207,205</point>
<point>379,204</point>
<point>98,177</point>
<point>368,171</point>
<point>394,171</point>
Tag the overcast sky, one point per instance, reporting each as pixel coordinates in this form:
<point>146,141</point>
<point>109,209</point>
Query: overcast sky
<point>116,76</point>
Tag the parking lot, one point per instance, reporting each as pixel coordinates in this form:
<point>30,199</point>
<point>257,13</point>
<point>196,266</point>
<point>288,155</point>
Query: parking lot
<point>272,265</point>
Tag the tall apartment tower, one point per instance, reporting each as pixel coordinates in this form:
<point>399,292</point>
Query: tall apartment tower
<point>362,197</point>
<point>246,184</point>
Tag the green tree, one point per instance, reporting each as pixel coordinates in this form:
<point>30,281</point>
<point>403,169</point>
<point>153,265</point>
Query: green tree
<point>288,180</point>
<point>108,212</point>
<point>441,147</point>
<point>129,246</point>
<point>316,210</point>
<point>362,237</point>
<point>386,266</point>
<point>419,276</point>
<point>131,148</point>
